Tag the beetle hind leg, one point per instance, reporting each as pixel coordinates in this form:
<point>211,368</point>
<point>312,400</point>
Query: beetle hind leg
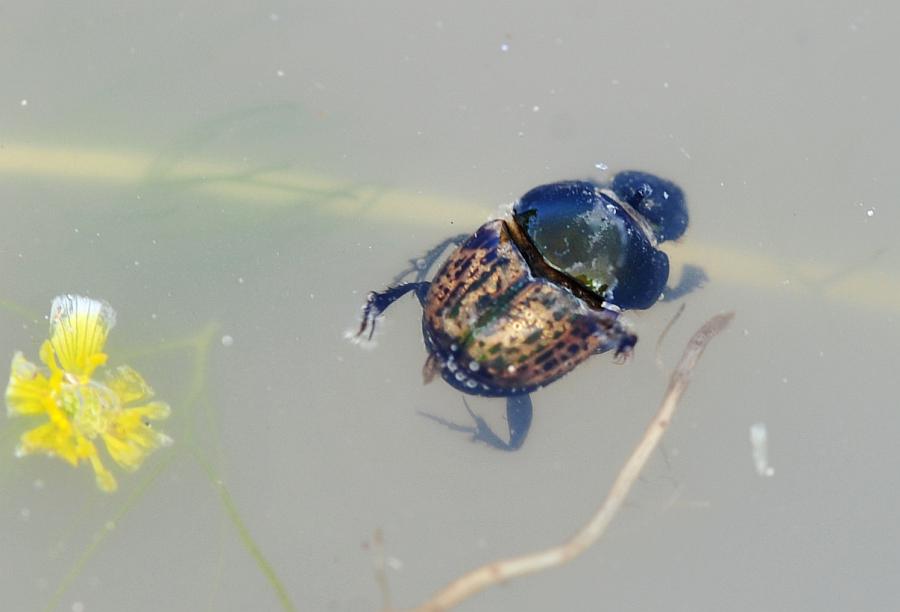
<point>618,338</point>
<point>379,301</point>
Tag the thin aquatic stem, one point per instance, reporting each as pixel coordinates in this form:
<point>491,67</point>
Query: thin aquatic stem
<point>503,570</point>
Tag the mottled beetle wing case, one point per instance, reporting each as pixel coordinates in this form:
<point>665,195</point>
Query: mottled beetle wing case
<point>495,329</point>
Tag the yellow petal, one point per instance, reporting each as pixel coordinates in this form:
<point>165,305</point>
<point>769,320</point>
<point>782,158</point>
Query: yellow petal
<point>129,440</point>
<point>78,330</point>
<point>128,384</point>
<point>28,389</point>
<point>105,480</point>
<point>153,411</point>
<point>50,439</point>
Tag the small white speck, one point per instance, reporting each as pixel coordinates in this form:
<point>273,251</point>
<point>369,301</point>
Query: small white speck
<point>504,47</point>
<point>24,102</point>
<point>521,134</point>
<point>870,212</point>
<point>240,280</point>
<point>274,16</point>
<point>666,85</point>
<point>136,263</point>
<point>601,166</point>
<point>784,380</point>
<point>77,607</point>
<point>38,484</point>
<point>394,563</point>
<point>227,340</point>
<point>279,73</point>
<point>153,315</point>
<point>109,525</point>
<point>746,332</point>
<point>535,108</point>
<point>25,513</point>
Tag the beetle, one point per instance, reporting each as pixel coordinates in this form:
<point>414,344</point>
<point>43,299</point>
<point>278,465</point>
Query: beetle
<point>526,298</point>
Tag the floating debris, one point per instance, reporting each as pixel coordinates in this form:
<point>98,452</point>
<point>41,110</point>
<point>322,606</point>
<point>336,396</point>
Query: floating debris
<point>759,440</point>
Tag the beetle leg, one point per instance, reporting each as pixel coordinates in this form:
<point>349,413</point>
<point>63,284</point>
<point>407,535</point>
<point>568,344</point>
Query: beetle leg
<point>618,338</point>
<point>692,277</point>
<point>518,416</point>
<point>379,301</point>
<point>421,265</point>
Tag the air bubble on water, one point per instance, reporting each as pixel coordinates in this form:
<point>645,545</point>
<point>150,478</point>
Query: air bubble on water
<point>227,340</point>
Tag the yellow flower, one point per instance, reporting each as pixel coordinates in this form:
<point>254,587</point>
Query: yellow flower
<point>80,409</point>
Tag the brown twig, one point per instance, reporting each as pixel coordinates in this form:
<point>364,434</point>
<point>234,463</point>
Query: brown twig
<point>500,571</point>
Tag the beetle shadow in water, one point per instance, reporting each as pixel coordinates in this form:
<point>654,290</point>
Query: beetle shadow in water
<point>692,277</point>
<point>422,265</point>
<point>519,411</point>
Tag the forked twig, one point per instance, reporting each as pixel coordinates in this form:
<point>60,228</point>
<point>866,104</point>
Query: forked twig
<point>497,572</point>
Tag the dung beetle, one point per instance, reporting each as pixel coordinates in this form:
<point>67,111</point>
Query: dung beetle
<point>528,297</point>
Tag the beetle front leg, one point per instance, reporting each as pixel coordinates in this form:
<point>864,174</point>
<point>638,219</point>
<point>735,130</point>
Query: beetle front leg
<point>379,301</point>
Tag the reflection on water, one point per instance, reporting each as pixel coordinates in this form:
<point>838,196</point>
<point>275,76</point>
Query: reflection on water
<point>250,173</point>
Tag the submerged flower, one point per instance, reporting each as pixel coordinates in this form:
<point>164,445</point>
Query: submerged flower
<point>79,408</point>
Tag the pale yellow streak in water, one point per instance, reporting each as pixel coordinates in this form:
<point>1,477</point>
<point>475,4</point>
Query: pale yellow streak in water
<point>752,269</point>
